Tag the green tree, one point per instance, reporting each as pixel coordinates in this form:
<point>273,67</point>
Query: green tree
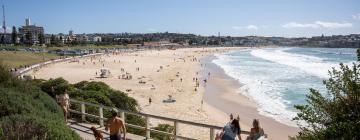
<point>2,39</point>
<point>28,37</point>
<point>336,113</point>
<point>22,40</point>
<point>13,35</point>
<point>41,38</point>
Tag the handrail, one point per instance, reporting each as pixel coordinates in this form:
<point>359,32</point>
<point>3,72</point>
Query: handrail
<point>150,115</point>
<point>147,116</point>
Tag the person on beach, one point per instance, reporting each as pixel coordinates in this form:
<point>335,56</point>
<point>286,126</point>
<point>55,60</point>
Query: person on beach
<point>116,126</point>
<point>150,100</point>
<point>256,132</point>
<point>65,103</point>
<point>230,131</point>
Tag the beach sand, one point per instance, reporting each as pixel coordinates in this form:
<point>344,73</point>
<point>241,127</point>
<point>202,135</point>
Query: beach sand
<point>175,78</point>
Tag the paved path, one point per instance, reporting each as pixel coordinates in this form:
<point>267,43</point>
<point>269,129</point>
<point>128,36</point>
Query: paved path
<point>84,131</point>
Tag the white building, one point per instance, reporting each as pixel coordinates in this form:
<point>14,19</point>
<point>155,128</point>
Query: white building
<point>97,39</point>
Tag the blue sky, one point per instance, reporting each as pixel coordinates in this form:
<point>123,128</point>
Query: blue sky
<point>289,18</point>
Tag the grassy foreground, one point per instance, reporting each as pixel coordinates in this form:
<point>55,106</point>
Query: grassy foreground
<point>26,112</point>
<point>20,58</point>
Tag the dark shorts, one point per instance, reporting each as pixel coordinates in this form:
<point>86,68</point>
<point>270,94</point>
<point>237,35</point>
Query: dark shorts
<point>226,137</point>
<point>115,137</point>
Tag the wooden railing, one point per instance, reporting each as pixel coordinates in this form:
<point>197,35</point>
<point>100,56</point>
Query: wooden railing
<point>147,128</point>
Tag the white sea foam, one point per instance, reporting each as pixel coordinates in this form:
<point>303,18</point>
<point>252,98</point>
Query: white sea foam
<point>310,64</point>
<point>276,79</point>
<point>270,104</point>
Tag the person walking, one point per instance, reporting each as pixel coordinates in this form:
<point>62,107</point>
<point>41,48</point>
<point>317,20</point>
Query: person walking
<point>116,126</point>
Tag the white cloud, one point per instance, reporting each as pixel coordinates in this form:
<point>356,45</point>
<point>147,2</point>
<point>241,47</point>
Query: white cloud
<point>356,17</point>
<point>236,27</point>
<point>152,30</point>
<point>299,25</point>
<point>333,24</point>
<point>318,24</point>
<point>252,27</point>
<point>249,27</point>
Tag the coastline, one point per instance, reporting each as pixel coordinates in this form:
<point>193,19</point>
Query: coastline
<point>221,92</point>
<point>163,82</point>
<point>162,71</point>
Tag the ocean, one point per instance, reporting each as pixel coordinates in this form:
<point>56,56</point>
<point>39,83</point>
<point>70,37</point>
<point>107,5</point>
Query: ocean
<point>279,78</point>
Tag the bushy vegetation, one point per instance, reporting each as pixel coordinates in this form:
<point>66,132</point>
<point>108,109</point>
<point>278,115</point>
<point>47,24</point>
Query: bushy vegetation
<point>100,93</point>
<point>336,113</point>
<point>97,93</point>
<point>26,112</point>
<point>163,127</point>
<point>28,109</point>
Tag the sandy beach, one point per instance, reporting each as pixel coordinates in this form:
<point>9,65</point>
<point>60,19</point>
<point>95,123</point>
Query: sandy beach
<point>156,74</point>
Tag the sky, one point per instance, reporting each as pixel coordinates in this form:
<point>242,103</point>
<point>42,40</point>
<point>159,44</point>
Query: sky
<point>285,18</point>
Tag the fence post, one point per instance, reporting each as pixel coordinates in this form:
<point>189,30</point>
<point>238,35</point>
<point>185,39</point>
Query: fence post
<point>176,131</point>
<point>212,134</point>
<point>101,115</point>
<point>83,112</point>
<point>122,115</point>
<point>147,128</point>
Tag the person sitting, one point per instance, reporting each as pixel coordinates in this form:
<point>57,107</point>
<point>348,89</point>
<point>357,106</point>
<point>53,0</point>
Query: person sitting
<point>230,131</point>
<point>256,132</point>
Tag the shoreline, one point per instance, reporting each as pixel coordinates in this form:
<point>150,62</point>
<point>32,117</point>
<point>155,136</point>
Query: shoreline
<point>221,92</point>
<point>161,72</point>
<point>176,78</point>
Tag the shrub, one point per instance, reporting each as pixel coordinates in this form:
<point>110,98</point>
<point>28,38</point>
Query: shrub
<point>163,127</point>
<point>28,113</point>
<point>335,114</point>
<point>59,86</point>
<point>100,93</point>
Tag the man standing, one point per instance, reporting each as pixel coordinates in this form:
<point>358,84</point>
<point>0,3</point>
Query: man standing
<point>115,124</point>
<point>65,103</point>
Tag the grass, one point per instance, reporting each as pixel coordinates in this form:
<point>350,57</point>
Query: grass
<point>19,58</point>
<point>68,47</point>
